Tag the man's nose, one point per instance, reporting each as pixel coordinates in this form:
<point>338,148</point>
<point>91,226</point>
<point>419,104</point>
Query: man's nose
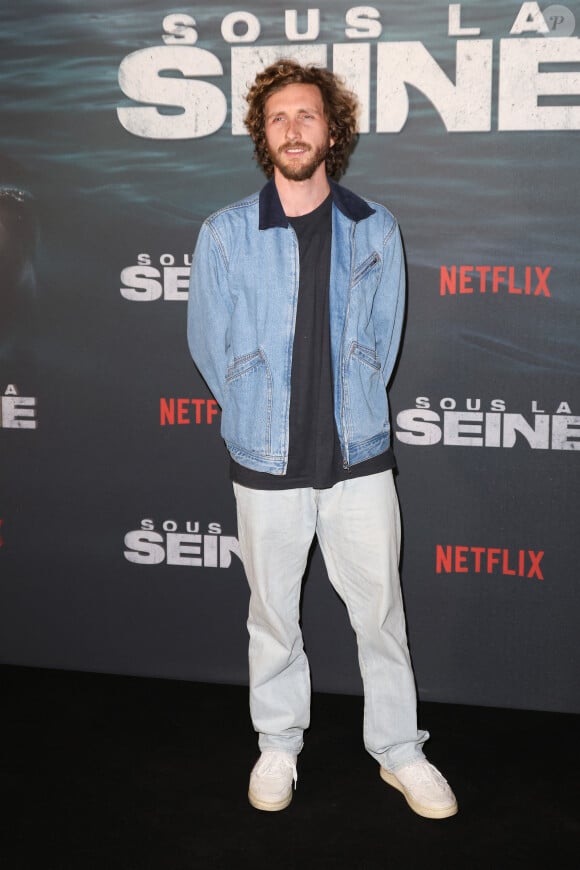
<point>293,129</point>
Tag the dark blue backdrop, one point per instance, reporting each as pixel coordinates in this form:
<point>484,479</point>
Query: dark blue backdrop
<point>118,534</point>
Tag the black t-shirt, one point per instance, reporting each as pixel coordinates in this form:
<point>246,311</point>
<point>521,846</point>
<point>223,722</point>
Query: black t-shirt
<point>314,456</point>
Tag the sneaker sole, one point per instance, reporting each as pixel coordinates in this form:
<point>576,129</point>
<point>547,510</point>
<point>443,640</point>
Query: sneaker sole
<point>268,806</point>
<point>426,812</point>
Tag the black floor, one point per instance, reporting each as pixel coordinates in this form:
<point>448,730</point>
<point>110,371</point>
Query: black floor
<point>120,772</point>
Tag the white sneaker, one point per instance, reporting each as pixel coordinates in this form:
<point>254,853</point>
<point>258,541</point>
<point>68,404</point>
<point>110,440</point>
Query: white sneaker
<point>424,788</point>
<point>271,780</point>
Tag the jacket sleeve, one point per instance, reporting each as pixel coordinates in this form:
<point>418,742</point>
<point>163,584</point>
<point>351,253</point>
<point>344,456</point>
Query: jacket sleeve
<point>209,310</point>
<point>391,302</point>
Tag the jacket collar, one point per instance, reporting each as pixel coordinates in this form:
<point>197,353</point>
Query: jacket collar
<point>272,214</point>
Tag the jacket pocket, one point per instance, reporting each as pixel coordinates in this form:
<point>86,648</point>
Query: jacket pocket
<point>366,408</point>
<point>360,272</point>
<point>365,355</point>
<point>247,412</point>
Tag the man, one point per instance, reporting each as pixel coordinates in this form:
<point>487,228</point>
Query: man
<point>295,316</point>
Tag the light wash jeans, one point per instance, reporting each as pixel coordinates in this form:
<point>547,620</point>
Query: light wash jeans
<point>357,523</point>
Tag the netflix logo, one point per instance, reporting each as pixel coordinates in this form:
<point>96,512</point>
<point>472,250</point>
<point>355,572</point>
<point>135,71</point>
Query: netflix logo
<point>456,559</point>
<point>184,412</point>
<point>513,280</point>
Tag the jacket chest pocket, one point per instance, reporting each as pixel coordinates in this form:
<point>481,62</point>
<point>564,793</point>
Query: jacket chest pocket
<point>372,263</point>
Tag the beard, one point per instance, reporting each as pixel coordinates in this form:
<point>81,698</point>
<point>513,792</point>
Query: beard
<point>295,170</point>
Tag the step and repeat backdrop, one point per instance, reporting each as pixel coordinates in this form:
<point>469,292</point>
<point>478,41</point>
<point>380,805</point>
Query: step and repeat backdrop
<point>122,129</point>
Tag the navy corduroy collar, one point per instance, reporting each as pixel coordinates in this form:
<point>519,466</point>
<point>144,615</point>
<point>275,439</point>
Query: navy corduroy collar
<point>272,213</point>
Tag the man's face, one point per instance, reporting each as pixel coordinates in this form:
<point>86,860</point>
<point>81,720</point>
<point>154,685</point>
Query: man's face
<point>297,131</point>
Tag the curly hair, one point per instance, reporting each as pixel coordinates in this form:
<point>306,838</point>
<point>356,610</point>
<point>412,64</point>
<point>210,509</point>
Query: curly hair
<point>340,109</point>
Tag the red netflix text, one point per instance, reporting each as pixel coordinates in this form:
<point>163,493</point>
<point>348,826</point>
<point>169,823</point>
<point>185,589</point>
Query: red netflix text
<point>183,412</point>
<point>515,280</point>
<point>488,560</point>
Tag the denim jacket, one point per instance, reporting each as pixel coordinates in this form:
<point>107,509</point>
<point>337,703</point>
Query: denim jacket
<point>241,315</point>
